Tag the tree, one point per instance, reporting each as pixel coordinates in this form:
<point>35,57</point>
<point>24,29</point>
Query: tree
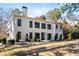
<point>42,17</point>
<point>54,14</point>
<point>4,18</point>
<point>16,11</point>
<point>70,7</point>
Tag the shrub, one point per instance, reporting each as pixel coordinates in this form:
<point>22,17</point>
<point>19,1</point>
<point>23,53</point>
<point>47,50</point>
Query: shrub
<point>11,42</point>
<point>0,40</point>
<point>69,36</point>
<point>75,35</point>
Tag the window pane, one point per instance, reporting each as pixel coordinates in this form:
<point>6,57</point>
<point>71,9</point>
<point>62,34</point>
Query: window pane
<point>42,36</point>
<point>56,37</point>
<point>37,35</point>
<point>49,36</point>
<point>43,25</point>
<point>30,34</point>
<point>19,22</point>
<point>60,26</point>
<point>19,35</point>
<point>37,25</point>
<point>48,26</point>
<point>31,24</point>
<point>56,26</point>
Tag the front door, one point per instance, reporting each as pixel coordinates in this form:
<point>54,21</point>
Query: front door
<point>37,36</point>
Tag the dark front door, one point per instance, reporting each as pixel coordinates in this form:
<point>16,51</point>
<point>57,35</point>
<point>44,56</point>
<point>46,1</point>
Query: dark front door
<point>37,36</point>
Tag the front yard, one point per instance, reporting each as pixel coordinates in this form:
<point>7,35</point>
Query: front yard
<point>59,48</point>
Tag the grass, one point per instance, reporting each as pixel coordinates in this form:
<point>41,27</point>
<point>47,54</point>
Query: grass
<point>61,48</point>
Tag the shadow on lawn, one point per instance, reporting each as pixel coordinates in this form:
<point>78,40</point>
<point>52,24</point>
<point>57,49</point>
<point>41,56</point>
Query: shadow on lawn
<point>11,47</point>
<point>35,52</point>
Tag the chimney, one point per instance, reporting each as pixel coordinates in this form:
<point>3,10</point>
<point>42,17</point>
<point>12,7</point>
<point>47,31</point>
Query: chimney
<point>24,11</point>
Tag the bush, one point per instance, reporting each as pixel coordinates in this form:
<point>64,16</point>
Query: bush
<point>75,35</point>
<point>1,40</point>
<point>11,42</point>
<point>4,41</point>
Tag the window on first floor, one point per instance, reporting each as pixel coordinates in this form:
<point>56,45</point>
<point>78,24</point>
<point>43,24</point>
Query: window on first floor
<point>49,36</point>
<point>19,35</point>
<point>37,35</point>
<point>56,37</point>
<point>42,36</point>
<point>30,35</point>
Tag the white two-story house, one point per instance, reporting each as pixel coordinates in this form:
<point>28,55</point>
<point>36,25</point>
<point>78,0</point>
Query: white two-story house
<point>33,29</point>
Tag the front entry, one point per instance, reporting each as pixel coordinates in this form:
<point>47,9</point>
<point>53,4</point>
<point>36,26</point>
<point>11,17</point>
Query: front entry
<point>37,36</point>
<point>18,36</point>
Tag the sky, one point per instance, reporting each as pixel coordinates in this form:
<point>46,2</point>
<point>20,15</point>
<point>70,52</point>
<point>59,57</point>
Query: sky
<point>34,9</point>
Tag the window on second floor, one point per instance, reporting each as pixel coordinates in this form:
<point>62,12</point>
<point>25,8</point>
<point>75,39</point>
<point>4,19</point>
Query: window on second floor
<point>43,25</point>
<point>19,22</point>
<point>60,26</point>
<point>37,25</point>
<point>48,26</point>
<point>56,26</point>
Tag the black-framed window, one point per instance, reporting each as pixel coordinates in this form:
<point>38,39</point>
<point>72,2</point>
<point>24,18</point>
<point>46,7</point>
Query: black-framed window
<point>60,26</point>
<point>49,36</point>
<point>42,36</point>
<point>56,26</point>
<point>19,35</point>
<point>37,24</point>
<point>43,25</point>
<point>31,24</point>
<point>19,22</point>
<point>37,35</point>
<point>56,37</point>
<point>30,35</point>
<point>48,26</point>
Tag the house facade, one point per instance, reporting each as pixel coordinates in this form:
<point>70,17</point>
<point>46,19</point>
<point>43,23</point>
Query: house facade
<point>33,29</point>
